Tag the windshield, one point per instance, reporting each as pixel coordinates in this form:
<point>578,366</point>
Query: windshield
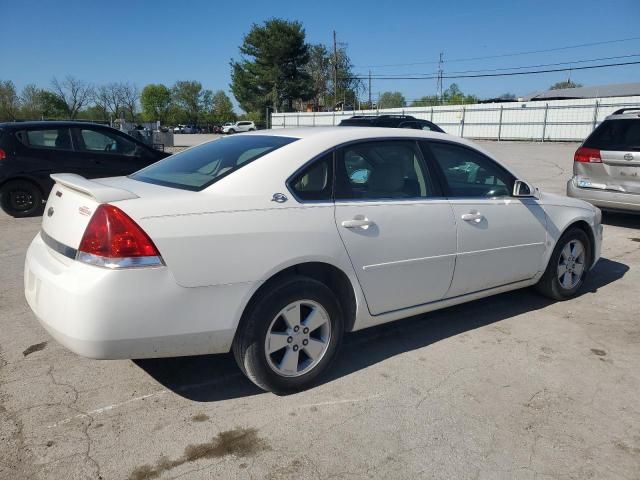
<point>201,166</point>
<point>616,135</point>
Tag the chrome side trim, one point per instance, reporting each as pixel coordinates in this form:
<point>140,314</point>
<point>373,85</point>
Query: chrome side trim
<point>409,260</point>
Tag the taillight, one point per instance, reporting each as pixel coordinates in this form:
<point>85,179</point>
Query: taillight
<point>112,239</point>
<point>3,154</point>
<point>587,155</point>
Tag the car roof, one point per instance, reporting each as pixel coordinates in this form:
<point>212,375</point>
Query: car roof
<point>49,123</point>
<point>629,113</point>
<point>348,133</point>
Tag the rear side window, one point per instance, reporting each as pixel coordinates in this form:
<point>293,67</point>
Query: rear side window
<point>315,183</point>
<point>381,170</point>
<point>59,138</point>
<point>616,135</point>
<point>198,167</point>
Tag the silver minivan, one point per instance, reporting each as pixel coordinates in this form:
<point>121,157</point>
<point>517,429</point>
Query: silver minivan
<point>606,167</point>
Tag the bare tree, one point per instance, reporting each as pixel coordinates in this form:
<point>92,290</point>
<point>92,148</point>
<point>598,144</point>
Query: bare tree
<point>74,93</point>
<point>130,96</point>
<point>109,98</point>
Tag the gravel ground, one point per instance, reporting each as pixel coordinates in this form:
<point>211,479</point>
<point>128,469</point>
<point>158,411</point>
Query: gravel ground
<point>509,387</point>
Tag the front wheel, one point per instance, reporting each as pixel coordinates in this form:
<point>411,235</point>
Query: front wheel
<point>231,130</point>
<point>568,266</point>
<point>290,335</point>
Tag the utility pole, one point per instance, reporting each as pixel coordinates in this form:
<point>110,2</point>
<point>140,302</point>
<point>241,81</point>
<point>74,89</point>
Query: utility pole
<point>370,104</point>
<point>439,92</point>
<point>335,70</point>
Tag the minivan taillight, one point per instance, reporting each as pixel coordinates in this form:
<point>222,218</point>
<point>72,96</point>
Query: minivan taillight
<point>3,154</point>
<point>113,240</point>
<point>587,155</point>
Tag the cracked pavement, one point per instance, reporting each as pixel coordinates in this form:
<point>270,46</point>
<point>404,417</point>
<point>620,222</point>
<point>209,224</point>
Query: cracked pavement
<point>509,387</point>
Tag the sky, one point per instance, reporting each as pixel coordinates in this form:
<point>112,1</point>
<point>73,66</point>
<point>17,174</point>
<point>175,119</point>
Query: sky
<point>164,41</point>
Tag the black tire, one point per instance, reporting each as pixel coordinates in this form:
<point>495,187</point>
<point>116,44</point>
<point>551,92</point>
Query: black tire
<point>21,198</point>
<point>231,130</point>
<point>249,344</point>
<point>252,129</point>
<point>549,284</point>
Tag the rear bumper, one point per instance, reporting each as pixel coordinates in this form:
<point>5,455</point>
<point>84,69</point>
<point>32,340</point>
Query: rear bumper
<point>130,313</point>
<point>605,199</point>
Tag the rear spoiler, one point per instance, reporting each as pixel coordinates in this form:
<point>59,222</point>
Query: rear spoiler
<point>102,193</point>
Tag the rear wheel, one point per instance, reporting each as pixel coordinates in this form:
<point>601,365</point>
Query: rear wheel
<point>290,335</point>
<point>231,130</point>
<point>21,198</point>
<point>568,266</point>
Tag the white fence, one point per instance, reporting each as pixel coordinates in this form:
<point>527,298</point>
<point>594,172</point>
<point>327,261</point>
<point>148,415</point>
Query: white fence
<point>556,120</point>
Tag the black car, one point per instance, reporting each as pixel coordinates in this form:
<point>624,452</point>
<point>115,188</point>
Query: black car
<point>31,151</point>
<point>390,121</point>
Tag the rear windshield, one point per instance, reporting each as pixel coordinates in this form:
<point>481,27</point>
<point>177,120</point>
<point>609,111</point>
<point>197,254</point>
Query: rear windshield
<point>617,135</point>
<point>201,166</point>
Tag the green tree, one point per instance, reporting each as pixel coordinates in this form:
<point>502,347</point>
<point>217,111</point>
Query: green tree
<point>53,107</point>
<point>426,101</point>
<point>155,101</point>
<point>9,101</point>
<point>272,70</point>
<point>565,84</point>
<point>321,70</point>
<point>454,96</point>
<point>31,107</point>
<point>507,96</point>
<point>391,100</point>
<point>188,100</point>
<point>222,108</point>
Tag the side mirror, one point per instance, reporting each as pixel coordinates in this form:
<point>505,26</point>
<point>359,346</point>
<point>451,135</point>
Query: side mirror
<point>523,189</point>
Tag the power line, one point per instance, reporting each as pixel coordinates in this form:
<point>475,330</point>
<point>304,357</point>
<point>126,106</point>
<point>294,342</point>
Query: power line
<point>390,75</point>
<point>530,52</point>
<point>507,74</point>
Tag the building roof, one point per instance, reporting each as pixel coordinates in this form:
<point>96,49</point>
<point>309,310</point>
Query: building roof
<point>613,90</point>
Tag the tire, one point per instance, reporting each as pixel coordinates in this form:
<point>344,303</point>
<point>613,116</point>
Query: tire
<point>21,198</point>
<point>252,129</point>
<point>265,324</point>
<point>231,130</point>
<point>550,284</point>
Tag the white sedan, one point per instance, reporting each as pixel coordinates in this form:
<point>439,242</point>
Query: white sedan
<point>273,244</point>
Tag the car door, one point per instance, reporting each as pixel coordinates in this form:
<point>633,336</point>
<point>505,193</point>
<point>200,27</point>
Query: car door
<point>399,232</point>
<point>112,153</point>
<point>501,239</point>
<point>51,149</point>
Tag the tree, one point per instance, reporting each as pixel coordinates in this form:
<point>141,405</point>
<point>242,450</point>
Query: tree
<point>426,101</point>
<point>320,69</point>
<point>565,84</point>
<point>391,100</point>
<point>108,99</point>
<point>188,99</point>
<point>74,93</point>
<point>222,108</point>
<point>130,94</point>
<point>507,96</point>
<point>53,106</point>
<point>9,101</point>
<point>454,96</point>
<point>272,70</point>
<point>155,100</point>
<point>31,103</point>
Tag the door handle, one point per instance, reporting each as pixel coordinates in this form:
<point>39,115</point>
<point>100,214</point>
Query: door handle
<point>357,223</point>
<point>473,216</point>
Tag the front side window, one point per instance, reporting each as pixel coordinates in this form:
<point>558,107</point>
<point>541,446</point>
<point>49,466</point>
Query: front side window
<point>470,174</point>
<point>315,182</point>
<point>381,170</point>
<point>58,138</point>
<point>201,166</point>
<point>100,141</point>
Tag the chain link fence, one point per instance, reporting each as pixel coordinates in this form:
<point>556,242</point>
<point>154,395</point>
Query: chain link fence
<point>556,120</point>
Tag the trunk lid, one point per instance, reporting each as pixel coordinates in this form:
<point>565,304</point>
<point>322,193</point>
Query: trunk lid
<point>71,204</point>
<point>622,170</point>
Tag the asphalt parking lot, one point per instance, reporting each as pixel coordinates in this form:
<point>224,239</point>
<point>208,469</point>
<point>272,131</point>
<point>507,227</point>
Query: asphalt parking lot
<point>510,387</point>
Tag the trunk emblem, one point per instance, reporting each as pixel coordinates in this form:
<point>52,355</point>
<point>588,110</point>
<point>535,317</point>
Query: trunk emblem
<point>628,156</point>
<point>50,211</point>
<point>279,198</point>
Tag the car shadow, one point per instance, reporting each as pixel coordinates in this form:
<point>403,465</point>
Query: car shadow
<point>619,219</point>
<point>211,378</point>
